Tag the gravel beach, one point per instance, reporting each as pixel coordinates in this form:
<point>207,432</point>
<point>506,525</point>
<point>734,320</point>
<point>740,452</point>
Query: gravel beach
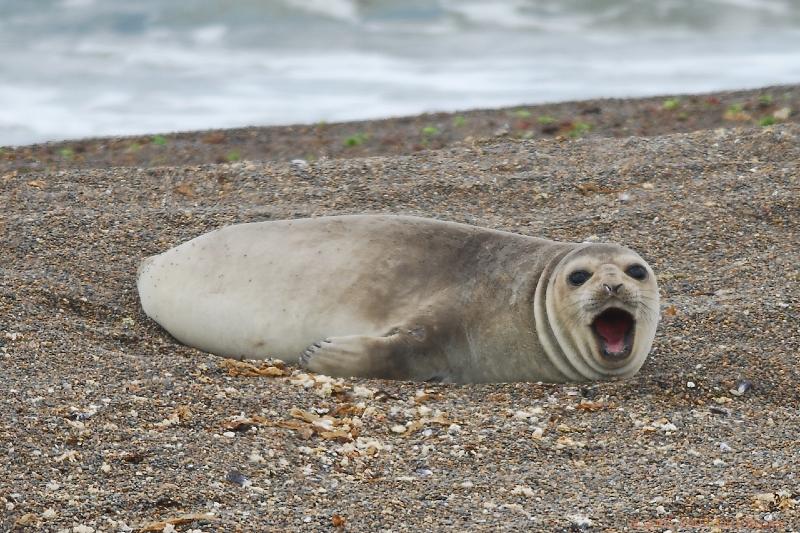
<point>108,424</point>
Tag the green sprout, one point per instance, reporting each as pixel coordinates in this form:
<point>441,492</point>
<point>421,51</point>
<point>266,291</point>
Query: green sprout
<point>160,140</point>
<point>765,100</point>
<point>545,120</point>
<point>459,121</point>
<point>735,108</point>
<point>233,156</point>
<point>769,120</point>
<point>67,153</point>
<point>430,131</point>
<point>356,140</point>
<point>671,104</point>
<point>579,129</point>
<point>134,147</point>
<point>521,113</point>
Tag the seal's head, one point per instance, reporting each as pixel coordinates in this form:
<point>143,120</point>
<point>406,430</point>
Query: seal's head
<point>602,308</point>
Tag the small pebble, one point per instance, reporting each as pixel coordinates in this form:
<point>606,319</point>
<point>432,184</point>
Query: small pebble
<point>580,521</point>
<point>523,490</point>
<point>236,477</point>
<point>782,113</point>
<point>742,386</point>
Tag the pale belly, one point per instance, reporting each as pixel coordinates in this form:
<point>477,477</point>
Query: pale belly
<point>251,291</point>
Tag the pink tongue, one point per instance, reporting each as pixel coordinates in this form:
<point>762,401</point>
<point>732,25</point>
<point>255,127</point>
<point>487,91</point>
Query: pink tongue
<point>613,332</point>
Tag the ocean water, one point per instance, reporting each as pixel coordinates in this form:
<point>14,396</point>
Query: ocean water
<point>81,68</point>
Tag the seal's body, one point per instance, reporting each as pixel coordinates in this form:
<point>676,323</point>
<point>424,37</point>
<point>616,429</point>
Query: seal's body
<point>407,298</point>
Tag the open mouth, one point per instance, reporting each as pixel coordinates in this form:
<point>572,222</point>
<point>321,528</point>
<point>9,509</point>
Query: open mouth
<point>614,329</point>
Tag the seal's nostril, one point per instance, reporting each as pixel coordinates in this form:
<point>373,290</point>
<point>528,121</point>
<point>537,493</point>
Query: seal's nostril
<point>612,289</point>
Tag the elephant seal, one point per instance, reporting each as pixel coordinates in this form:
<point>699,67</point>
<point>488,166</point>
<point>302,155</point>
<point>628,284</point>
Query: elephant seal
<point>407,298</point>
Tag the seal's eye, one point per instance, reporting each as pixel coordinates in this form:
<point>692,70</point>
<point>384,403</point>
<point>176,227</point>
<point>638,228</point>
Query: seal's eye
<point>579,277</point>
<point>637,272</point>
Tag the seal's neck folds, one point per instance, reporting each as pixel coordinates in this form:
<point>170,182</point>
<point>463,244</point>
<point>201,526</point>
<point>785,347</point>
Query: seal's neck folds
<point>547,329</point>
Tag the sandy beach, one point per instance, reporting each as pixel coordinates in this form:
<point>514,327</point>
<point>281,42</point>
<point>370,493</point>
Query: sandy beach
<point>108,424</point>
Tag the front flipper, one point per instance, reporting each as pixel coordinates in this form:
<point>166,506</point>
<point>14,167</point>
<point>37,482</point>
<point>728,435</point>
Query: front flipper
<point>402,354</point>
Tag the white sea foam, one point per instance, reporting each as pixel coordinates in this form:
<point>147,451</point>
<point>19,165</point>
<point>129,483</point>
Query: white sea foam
<point>77,3</point>
<point>212,34</point>
<point>76,68</point>
<point>346,10</point>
